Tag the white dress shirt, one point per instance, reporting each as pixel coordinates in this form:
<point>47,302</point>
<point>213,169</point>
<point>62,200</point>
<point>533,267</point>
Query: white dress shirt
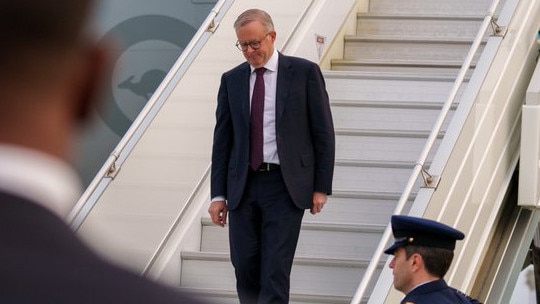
<point>40,178</point>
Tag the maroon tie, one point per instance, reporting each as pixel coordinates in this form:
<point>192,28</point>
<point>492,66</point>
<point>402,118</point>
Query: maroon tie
<point>256,122</point>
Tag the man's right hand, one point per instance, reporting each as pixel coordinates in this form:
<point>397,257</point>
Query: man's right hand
<point>218,212</point>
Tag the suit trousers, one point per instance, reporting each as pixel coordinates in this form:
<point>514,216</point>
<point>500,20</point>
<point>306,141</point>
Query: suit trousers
<point>263,233</point>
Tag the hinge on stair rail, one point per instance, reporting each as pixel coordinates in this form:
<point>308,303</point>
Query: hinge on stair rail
<point>212,27</point>
<point>113,170</point>
<point>498,31</point>
<point>430,181</point>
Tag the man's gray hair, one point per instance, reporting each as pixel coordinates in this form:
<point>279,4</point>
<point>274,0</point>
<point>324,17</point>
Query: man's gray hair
<point>254,15</point>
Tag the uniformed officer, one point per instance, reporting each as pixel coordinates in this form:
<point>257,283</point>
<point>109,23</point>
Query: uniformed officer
<point>423,251</point>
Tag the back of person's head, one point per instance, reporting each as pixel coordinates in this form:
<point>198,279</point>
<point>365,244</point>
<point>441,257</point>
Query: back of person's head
<point>437,261</point>
<point>51,72</point>
<point>32,30</point>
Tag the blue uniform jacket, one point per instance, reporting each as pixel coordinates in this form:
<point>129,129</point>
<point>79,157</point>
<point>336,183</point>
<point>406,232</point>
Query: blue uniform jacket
<point>437,292</point>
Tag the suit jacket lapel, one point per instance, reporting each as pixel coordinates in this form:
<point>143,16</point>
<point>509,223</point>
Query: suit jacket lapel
<point>284,80</point>
<point>243,88</point>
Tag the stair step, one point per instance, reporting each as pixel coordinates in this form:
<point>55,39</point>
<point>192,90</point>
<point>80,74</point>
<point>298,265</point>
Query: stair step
<point>418,40</point>
<point>377,88</point>
<point>431,7</point>
<point>372,178</point>
<point>311,276</point>
<point>317,240</point>
<point>373,164</point>
<point>415,25</point>
<point>377,145</point>
<point>434,49</point>
<point>382,133</point>
<point>359,194</point>
<point>339,240</point>
<point>229,297</point>
<point>389,104</point>
<point>449,68</point>
<point>386,118</point>
<point>404,63</point>
<point>377,75</point>
<point>353,207</point>
<point>355,210</point>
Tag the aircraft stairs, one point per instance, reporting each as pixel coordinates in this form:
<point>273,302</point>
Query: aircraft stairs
<point>398,66</point>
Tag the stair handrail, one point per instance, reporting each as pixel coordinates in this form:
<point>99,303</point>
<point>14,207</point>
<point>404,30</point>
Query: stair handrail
<point>419,165</point>
<point>112,165</point>
<point>153,261</point>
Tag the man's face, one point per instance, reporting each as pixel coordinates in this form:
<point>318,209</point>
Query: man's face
<point>254,33</point>
<point>402,270</point>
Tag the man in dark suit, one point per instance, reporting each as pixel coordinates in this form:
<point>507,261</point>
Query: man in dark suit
<point>423,252</point>
<point>272,158</point>
<point>49,74</point>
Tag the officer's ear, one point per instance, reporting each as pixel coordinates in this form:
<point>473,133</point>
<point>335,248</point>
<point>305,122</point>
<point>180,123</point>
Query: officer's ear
<point>416,262</point>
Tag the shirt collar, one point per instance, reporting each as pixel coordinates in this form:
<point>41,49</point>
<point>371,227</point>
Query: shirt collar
<point>272,63</point>
<point>40,178</point>
<point>423,283</point>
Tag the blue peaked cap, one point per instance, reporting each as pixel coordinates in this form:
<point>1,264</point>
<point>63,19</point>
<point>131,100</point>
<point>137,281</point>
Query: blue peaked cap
<point>417,231</point>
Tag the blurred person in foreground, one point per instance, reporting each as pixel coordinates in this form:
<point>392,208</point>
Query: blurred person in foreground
<point>423,251</point>
<point>272,158</point>
<point>50,71</point>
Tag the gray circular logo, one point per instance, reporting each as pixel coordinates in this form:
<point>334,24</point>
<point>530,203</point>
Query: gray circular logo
<point>131,32</point>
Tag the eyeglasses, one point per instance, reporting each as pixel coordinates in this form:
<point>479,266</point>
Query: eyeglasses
<point>254,45</point>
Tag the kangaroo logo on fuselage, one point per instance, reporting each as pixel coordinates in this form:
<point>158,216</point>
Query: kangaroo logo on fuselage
<point>131,32</point>
<point>146,86</point>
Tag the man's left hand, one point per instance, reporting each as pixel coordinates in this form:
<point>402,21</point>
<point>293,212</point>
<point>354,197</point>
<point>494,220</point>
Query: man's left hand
<point>319,199</point>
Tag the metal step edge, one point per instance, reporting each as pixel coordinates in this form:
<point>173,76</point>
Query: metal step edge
<point>385,133</point>
<point>417,40</point>
<point>362,75</point>
<point>390,104</point>
<point>295,297</point>
<point>375,163</point>
<point>343,227</point>
<point>401,63</point>
<point>326,226</point>
<point>298,260</point>
<point>362,194</point>
<point>435,17</point>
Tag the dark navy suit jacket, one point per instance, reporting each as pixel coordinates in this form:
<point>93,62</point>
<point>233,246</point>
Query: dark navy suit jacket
<point>304,132</point>
<point>437,292</point>
<point>43,261</point>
